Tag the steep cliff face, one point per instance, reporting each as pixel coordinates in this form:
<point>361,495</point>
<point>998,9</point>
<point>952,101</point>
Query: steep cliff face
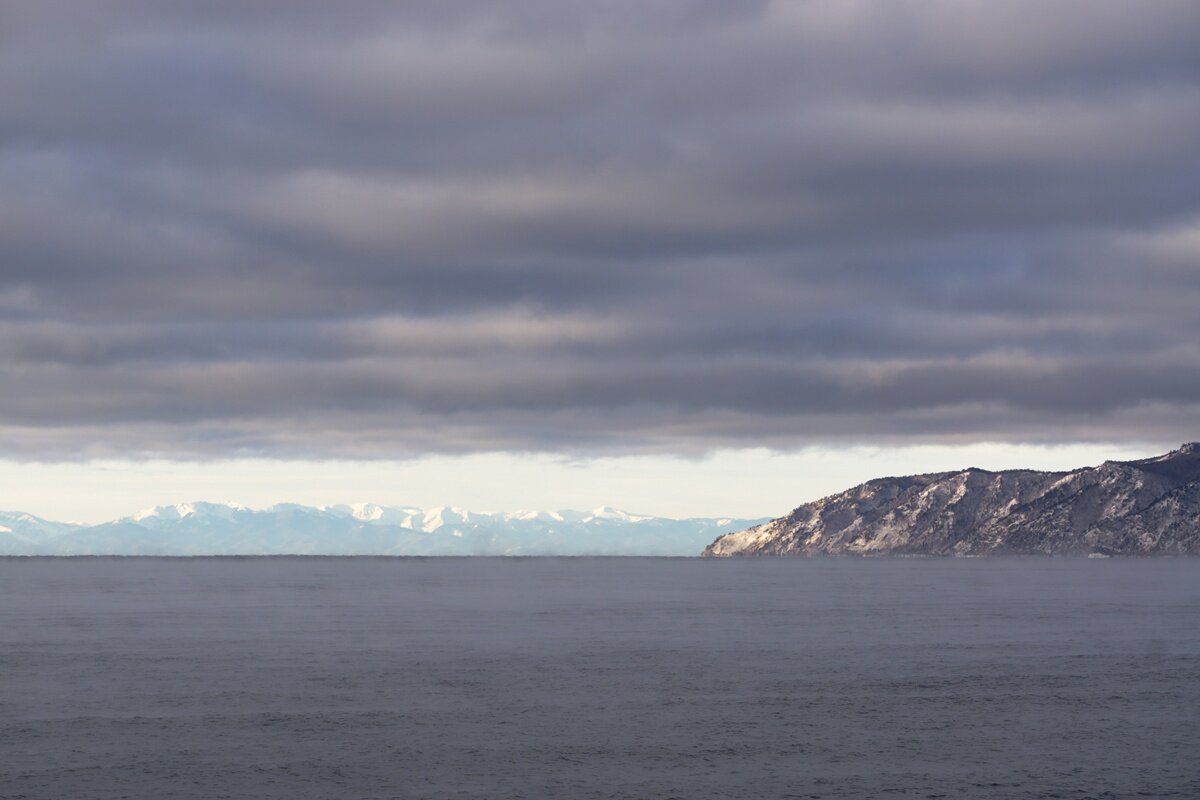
<point>1145,507</point>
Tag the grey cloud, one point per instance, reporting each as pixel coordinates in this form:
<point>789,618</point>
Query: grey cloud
<point>381,229</point>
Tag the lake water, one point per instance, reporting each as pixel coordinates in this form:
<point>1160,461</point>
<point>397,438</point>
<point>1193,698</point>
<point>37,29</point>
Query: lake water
<point>599,678</point>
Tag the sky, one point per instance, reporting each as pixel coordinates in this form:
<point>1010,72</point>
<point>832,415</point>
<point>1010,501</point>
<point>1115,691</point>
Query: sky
<point>665,256</point>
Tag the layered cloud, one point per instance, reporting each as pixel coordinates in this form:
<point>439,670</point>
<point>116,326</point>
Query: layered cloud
<point>377,230</point>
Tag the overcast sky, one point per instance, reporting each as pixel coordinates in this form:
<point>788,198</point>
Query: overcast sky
<point>544,229</point>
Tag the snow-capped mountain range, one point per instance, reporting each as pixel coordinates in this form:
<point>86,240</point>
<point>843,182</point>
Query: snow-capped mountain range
<point>196,529</point>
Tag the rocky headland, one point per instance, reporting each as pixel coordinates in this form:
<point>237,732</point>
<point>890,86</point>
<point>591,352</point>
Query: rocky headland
<point>1146,507</point>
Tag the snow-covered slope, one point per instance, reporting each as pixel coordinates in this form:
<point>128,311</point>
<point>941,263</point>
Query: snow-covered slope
<point>20,532</point>
<point>366,529</point>
<point>1147,507</point>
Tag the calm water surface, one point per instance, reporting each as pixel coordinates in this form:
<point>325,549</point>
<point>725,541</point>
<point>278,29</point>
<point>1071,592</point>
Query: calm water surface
<point>599,678</point>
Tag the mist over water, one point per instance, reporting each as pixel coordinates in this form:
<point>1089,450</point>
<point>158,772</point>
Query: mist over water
<point>598,678</point>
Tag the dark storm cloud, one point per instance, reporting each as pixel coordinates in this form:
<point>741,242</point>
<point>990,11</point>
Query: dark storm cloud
<point>379,229</point>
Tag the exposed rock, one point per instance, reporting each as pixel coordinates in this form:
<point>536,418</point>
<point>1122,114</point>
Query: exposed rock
<point>1147,507</point>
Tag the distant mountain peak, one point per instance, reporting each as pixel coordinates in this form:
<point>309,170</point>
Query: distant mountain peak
<point>527,514</point>
<point>179,511</point>
<point>368,512</point>
<point>610,513</point>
